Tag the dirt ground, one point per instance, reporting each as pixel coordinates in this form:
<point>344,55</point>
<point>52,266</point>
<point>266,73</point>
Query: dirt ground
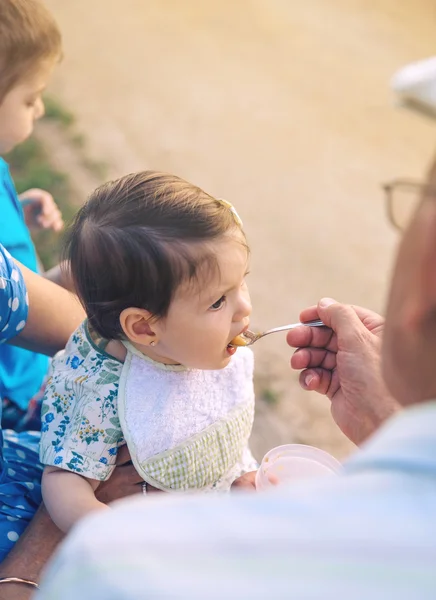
<point>282,107</point>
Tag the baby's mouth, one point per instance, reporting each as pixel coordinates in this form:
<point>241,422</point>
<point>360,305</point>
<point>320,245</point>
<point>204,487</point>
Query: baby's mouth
<point>239,340</point>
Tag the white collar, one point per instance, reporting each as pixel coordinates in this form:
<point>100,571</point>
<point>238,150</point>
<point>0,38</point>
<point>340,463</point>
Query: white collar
<point>131,348</point>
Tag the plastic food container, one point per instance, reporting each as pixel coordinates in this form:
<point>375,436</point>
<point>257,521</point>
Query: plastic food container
<point>293,462</point>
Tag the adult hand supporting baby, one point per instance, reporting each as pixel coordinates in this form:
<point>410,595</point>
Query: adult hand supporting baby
<point>35,546</point>
<point>344,363</point>
<point>123,482</point>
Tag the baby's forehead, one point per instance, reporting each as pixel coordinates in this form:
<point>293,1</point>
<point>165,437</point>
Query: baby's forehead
<point>206,278</point>
<point>219,272</point>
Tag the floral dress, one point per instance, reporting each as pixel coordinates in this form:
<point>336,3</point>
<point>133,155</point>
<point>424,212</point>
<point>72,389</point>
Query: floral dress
<point>185,429</point>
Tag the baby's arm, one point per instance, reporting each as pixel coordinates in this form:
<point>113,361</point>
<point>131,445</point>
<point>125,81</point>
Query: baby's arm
<point>68,496</point>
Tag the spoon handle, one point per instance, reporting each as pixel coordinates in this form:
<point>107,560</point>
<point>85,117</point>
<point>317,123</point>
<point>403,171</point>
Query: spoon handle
<point>316,323</point>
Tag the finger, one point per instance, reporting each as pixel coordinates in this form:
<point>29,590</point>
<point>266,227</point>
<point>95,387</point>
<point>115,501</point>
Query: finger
<point>372,320</point>
<point>59,224</point>
<point>53,214</point>
<point>131,475</point>
<point>317,337</point>
<point>50,217</point>
<point>47,203</point>
<point>317,380</point>
<point>273,479</point>
<point>249,479</point>
<point>243,484</point>
<point>54,222</point>
<point>31,196</point>
<point>342,319</point>
<point>127,476</point>
<point>304,358</point>
<point>123,455</point>
<point>309,314</point>
<point>51,221</point>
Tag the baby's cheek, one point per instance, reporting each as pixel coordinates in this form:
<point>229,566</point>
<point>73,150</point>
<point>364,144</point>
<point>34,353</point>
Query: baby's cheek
<point>205,348</point>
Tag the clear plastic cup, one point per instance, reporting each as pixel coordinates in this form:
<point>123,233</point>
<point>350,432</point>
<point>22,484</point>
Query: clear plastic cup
<point>293,462</point>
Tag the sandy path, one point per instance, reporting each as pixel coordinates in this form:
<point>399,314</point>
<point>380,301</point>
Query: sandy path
<point>283,107</point>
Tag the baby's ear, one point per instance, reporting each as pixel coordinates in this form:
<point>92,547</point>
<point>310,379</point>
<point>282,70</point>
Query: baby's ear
<point>137,325</point>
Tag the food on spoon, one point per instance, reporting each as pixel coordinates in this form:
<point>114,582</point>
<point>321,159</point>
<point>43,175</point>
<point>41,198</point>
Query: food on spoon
<point>239,340</point>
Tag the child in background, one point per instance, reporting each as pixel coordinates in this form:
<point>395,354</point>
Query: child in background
<point>160,268</point>
<point>30,47</point>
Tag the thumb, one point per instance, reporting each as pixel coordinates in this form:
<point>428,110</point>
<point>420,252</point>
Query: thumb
<point>341,318</point>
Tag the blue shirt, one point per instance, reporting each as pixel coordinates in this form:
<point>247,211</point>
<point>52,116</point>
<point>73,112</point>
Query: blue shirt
<point>21,371</point>
<point>13,308</point>
<point>368,534</point>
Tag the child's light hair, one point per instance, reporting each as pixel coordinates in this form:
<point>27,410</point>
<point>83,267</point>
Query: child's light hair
<point>138,239</point>
<point>29,36</point>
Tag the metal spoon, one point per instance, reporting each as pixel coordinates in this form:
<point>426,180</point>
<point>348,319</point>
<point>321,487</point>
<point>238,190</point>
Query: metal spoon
<point>247,338</point>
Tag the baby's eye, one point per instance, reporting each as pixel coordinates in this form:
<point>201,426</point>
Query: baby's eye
<point>218,304</point>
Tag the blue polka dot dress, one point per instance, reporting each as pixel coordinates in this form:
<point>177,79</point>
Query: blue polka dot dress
<point>20,470</point>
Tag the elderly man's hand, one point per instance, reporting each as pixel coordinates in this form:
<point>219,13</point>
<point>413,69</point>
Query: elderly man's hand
<point>343,362</point>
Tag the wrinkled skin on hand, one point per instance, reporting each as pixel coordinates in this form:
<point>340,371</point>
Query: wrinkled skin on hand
<point>343,362</point>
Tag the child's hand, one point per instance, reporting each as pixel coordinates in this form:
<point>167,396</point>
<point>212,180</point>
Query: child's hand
<point>245,482</point>
<point>40,210</point>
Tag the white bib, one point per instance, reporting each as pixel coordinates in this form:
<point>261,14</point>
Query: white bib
<point>186,429</point>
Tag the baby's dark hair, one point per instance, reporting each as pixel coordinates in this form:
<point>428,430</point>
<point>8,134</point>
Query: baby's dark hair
<point>136,240</point>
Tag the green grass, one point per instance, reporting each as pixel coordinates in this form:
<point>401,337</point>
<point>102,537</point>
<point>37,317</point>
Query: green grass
<point>31,168</point>
<point>270,396</point>
<point>265,387</point>
<point>54,111</point>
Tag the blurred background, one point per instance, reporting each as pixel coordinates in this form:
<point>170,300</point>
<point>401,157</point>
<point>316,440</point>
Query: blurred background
<point>284,108</point>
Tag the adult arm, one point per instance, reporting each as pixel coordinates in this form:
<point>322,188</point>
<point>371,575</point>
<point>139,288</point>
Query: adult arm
<point>54,313</point>
<point>61,275</point>
<point>342,361</point>
<point>30,554</point>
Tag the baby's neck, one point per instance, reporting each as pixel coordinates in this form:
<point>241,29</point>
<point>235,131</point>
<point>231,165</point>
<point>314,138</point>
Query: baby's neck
<point>116,349</point>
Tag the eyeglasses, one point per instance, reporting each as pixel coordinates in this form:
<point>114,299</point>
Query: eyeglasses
<point>402,198</point>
